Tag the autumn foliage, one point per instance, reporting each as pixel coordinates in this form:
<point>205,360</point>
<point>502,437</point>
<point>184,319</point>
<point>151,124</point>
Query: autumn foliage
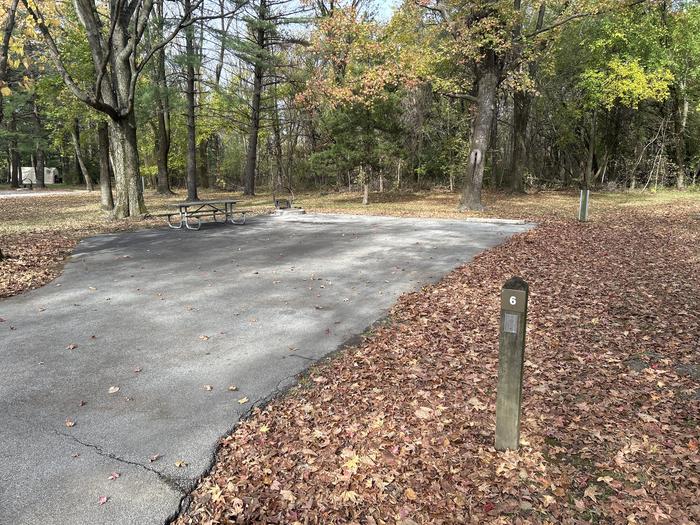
<point>400,429</point>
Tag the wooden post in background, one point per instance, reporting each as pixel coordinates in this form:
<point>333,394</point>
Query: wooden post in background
<point>511,351</point>
<point>583,205</point>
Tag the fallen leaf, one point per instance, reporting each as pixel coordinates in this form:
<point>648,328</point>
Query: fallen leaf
<point>113,476</point>
<point>208,388</point>
<point>591,492</point>
<point>181,463</point>
<point>103,499</point>
<point>424,413</point>
<point>70,423</point>
<point>243,400</point>
<point>113,390</point>
<point>154,457</point>
<point>71,346</point>
<point>232,388</point>
<point>410,494</point>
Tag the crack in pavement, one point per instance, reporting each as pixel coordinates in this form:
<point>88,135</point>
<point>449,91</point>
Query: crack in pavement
<point>169,481</point>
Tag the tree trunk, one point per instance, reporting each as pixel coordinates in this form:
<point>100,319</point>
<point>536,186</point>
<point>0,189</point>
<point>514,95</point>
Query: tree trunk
<point>365,193</point>
<point>39,155</point>
<point>487,85</point>
<point>15,159</point>
<point>40,167</point>
<point>203,164</point>
<point>252,153</point>
<point>681,117</point>
<point>163,111</point>
<point>125,162</point>
<point>163,145</point>
<point>106,199</point>
<point>588,174</point>
<point>75,135</point>
<point>190,96</point>
<point>277,138</point>
<point>521,114</point>
<point>5,45</point>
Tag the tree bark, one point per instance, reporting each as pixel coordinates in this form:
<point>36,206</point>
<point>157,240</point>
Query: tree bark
<point>204,164</point>
<point>190,97</point>
<point>75,135</point>
<point>106,199</point>
<point>15,159</point>
<point>40,167</point>
<point>487,86</point>
<point>254,129</point>
<point>681,120</point>
<point>125,162</point>
<point>5,46</point>
<point>588,174</point>
<point>39,155</point>
<point>521,114</point>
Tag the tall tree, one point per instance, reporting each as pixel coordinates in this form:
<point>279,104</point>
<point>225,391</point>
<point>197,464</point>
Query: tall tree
<point>114,37</point>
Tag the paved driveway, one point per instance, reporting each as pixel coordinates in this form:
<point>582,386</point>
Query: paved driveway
<point>161,313</point>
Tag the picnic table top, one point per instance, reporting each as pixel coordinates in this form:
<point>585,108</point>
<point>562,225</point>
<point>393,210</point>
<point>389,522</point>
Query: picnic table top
<point>198,203</point>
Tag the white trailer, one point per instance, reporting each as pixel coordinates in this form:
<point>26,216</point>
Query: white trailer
<point>51,176</point>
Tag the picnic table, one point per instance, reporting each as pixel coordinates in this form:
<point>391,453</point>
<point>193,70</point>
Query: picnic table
<point>193,210</point>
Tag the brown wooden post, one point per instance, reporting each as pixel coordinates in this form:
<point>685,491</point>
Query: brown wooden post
<point>511,353</point>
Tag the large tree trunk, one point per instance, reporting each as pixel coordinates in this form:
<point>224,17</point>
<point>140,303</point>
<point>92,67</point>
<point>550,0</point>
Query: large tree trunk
<point>163,147</point>
<point>487,85</point>
<point>125,162</point>
<point>40,167</point>
<point>522,102</point>
<point>122,129</point>
<point>7,30</point>
<point>252,153</point>
<point>106,199</point>
<point>277,138</point>
<point>190,97</point>
<point>521,114</point>
<point>75,135</point>
<point>39,155</point>
<point>162,101</point>
<point>15,160</point>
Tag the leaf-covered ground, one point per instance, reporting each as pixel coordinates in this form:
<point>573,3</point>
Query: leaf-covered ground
<point>37,233</point>
<point>400,429</point>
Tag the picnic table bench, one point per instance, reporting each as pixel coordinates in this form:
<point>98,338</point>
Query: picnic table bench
<point>191,211</point>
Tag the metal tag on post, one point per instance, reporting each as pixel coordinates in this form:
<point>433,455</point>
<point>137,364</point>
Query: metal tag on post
<point>511,352</point>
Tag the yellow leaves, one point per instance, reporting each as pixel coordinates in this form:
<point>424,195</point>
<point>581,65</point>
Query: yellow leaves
<point>352,464</point>
<point>410,494</point>
<point>350,495</point>
<point>287,495</point>
<point>181,463</point>
<point>264,429</point>
<point>5,91</point>
<point>424,413</point>
<point>591,492</point>
<point>216,493</point>
<point>626,82</point>
<point>243,400</point>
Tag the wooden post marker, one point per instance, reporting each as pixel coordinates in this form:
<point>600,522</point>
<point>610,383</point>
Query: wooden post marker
<point>583,205</point>
<point>511,351</point>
